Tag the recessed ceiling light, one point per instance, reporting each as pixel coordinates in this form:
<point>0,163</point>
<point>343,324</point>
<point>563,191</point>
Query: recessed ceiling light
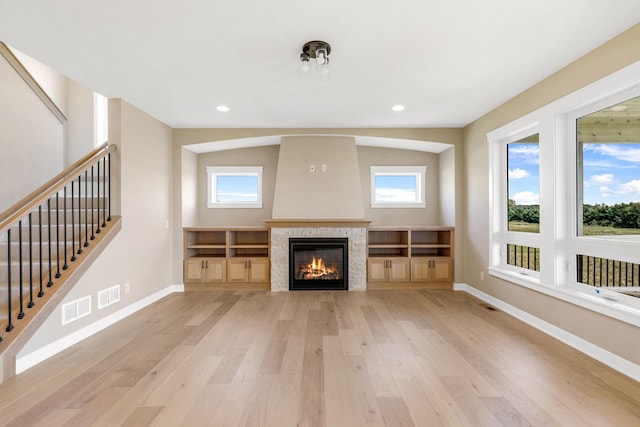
<point>397,107</point>
<point>222,108</point>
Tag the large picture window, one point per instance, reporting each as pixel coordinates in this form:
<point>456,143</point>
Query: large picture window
<point>565,198</point>
<point>234,186</point>
<point>608,169</point>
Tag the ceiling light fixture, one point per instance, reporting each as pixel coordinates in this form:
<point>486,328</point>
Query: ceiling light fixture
<point>319,51</point>
<point>397,107</point>
<point>222,108</point>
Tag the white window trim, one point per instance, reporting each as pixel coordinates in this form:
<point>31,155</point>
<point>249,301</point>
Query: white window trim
<point>214,171</point>
<point>420,172</point>
<point>558,242</point>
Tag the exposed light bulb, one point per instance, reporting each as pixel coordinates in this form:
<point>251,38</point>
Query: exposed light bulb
<point>305,66</point>
<point>320,57</point>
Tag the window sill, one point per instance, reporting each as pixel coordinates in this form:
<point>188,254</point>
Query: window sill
<point>234,205</point>
<point>408,205</point>
<point>597,302</point>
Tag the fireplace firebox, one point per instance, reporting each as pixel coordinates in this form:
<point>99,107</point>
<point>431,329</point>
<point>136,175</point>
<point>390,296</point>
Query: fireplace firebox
<point>318,263</point>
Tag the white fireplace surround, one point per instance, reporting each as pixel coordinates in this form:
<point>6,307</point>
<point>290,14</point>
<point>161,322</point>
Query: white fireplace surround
<point>357,236</point>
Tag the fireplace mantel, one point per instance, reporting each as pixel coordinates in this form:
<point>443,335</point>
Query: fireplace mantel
<point>302,223</point>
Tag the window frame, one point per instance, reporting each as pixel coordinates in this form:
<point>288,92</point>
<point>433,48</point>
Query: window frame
<point>212,174</point>
<point>420,174</point>
<point>559,242</point>
<point>501,236</point>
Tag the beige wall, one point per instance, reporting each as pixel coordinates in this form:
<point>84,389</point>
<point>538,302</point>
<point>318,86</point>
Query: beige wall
<point>617,337</point>
<point>453,164</point>
<point>31,138</point>
<point>372,156</point>
<point>141,254</point>
<point>267,157</point>
<point>80,128</point>
<point>332,194</point>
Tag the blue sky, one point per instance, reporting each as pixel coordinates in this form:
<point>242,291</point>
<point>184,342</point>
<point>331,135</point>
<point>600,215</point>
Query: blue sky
<point>396,188</point>
<point>611,173</point>
<point>237,188</point>
<point>524,173</point>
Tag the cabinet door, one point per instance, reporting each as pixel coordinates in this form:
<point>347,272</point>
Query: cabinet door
<point>442,270</point>
<point>398,270</point>
<point>420,269</point>
<point>215,270</point>
<point>259,270</point>
<point>194,270</point>
<point>237,270</point>
<point>377,269</point>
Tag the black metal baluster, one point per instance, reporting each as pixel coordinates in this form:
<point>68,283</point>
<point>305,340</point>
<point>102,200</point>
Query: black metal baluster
<point>20,290</point>
<point>86,208</point>
<point>73,224</point>
<point>50,284</point>
<point>64,194</point>
<point>601,268</point>
<point>93,201</point>
<point>41,292</point>
<point>9,324</point>
<point>104,191</point>
<point>521,256</point>
<point>98,183</point>
<point>109,163</point>
<point>579,268</point>
<point>79,214</point>
<point>31,303</point>
<point>58,235</point>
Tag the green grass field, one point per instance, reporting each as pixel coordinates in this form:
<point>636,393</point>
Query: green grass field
<point>589,230</point>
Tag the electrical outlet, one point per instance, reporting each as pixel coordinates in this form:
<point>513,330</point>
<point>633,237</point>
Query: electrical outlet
<point>324,168</point>
<point>482,275</point>
<point>127,288</point>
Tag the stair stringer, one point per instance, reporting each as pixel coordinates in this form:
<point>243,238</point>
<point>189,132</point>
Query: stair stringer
<point>25,328</point>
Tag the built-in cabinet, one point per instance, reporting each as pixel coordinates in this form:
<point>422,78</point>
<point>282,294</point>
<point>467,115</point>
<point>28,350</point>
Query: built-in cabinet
<point>239,257</point>
<point>223,257</point>
<point>409,257</point>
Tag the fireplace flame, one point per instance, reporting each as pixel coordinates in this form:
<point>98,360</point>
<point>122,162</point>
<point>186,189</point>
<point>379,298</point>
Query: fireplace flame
<point>317,269</point>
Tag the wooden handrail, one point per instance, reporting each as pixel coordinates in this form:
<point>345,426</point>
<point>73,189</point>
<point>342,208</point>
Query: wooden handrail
<point>51,187</point>
<point>31,82</point>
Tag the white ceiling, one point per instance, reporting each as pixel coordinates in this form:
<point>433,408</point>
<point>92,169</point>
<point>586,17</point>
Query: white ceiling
<point>449,62</point>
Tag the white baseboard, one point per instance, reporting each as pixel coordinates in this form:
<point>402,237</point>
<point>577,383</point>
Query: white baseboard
<point>27,361</point>
<point>614,361</point>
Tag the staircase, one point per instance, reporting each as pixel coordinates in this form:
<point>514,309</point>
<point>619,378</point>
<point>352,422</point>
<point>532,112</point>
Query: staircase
<point>47,241</point>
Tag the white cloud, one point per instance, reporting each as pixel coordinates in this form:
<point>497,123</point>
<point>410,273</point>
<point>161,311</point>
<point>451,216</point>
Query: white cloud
<point>526,198</point>
<point>631,187</point>
<point>395,195</point>
<point>604,179</point>
<point>629,191</point>
<point>518,173</point>
<point>617,151</point>
<point>528,150</point>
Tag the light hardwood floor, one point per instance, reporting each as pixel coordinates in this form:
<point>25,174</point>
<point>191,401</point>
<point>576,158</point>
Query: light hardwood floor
<point>395,358</point>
